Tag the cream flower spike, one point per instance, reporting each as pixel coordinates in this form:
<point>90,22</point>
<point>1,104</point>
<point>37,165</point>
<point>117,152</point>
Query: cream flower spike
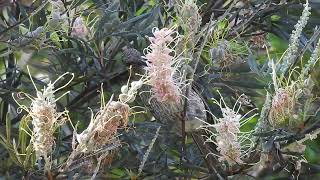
<point>45,118</point>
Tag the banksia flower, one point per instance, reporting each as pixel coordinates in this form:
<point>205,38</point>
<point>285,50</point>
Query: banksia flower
<point>160,68</point>
<point>231,143</point>
<point>79,29</point>
<point>45,120</point>
<point>294,39</point>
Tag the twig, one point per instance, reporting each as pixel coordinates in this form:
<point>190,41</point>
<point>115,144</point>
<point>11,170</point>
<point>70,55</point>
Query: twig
<point>145,157</point>
<point>188,89</point>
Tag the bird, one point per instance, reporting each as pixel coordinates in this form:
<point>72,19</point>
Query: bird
<point>173,116</point>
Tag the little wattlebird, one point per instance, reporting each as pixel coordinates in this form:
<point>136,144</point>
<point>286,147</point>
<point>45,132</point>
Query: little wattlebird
<point>181,118</point>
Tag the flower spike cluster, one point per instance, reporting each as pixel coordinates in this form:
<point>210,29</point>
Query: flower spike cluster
<point>160,66</point>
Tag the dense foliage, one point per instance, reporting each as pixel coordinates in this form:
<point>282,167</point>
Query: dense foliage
<point>159,89</point>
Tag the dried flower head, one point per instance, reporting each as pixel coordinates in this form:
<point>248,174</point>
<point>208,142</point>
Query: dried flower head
<point>45,119</point>
<point>189,20</point>
<point>103,126</point>
<point>293,99</point>
<point>231,142</point>
<point>160,66</point>
<point>101,131</point>
<point>112,118</point>
<point>259,41</point>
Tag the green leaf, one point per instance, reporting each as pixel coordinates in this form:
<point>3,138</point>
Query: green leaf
<point>8,127</point>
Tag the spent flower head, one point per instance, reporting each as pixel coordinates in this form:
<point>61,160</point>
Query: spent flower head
<point>103,126</point>
<point>101,131</point>
<point>282,106</point>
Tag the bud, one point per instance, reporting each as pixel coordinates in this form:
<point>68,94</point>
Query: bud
<point>79,29</point>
